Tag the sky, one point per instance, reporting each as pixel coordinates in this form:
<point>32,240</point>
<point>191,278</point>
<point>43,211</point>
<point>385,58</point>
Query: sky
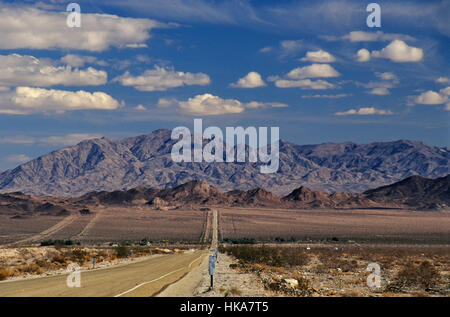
<point>315,69</point>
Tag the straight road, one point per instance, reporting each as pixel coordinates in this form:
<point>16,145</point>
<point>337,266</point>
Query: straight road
<point>215,230</point>
<point>138,279</point>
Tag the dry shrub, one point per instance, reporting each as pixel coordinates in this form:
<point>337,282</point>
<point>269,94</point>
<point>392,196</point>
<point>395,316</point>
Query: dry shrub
<point>304,287</point>
<point>235,291</point>
<point>59,258</point>
<point>78,255</point>
<point>272,256</point>
<point>42,263</point>
<point>4,274</point>
<point>122,251</point>
<point>422,276</point>
<point>32,268</point>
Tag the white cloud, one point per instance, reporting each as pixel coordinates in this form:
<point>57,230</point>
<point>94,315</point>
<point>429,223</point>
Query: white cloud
<point>23,140</point>
<point>136,45</point>
<point>387,76</point>
<point>140,108</point>
<point>319,56</point>
<point>26,100</point>
<point>266,49</point>
<point>208,105</point>
<point>257,104</point>
<point>443,80</point>
<point>380,91</point>
<point>337,96</point>
<point>445,91</point>
<point>303,84</point>
<point>17,158</point>
<point>313,71</point>
<point>68,139</point>
<point>251,80</point>
<point>360,36</point>
<point>18,70</point>
<point>160,79</point>
<point>291,47</point>
<point>364,111</point>
<point>32,28</point>
<point>396,51</point>
<point>363,55</point>
<point>447,107</point>
<point>60,140</point>
<point>399,51</point>
<point>79,60</point>
<point>430,98</point>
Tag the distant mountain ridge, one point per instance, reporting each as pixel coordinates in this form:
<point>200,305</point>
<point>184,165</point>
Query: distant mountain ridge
<point>108,165</point>
<point>415,193</point>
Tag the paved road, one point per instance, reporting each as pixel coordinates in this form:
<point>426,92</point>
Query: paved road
<point>140,278</point>
<point>215,229</point>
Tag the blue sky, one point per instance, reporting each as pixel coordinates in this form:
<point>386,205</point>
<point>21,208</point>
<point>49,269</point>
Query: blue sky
<point>313,68</point>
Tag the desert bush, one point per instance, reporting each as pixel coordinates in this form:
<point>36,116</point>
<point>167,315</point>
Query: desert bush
<point>240,240</point>
<point>235,291</point>
<point>4,274</point>
<point>42,263</point>
<point>59,258</point>
<point>303,287</point>
<point>32,268</point>
<point>122,251</point>
<point>286,256</point>
<point>422,276</point>
<point>78,255</point>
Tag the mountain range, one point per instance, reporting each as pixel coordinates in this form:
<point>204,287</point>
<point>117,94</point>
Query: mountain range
<point>144,161</point>
<point>414,193</point>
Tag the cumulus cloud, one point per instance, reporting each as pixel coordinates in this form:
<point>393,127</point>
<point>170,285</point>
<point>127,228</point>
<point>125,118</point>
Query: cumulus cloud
<point>68,139</point>
<point>251,80</point>
<point>337,96</point>
<point>387,76</point>
<point>445,91</point>
<point>208,105</point>
<point>363,55</point>
<point>17,158</point>
<point>75,60</point>
<point>380,91</point>
<point>17,70</point>
<point>313,71</point>
<point>286,48</point>
<point>443,80</point>
<point>257,104</point>
<point>360,36</point>
<point>303,84</point>
<point>60,140</point>
<point>161,79</point>
<point>33,28</point>
<point>319,56</point>
<point>290,47</point>
<point>364,112</point>
<point>27,100</point>
<point>399,51</point>
<point>431,98</point>
<point>140,108</point>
